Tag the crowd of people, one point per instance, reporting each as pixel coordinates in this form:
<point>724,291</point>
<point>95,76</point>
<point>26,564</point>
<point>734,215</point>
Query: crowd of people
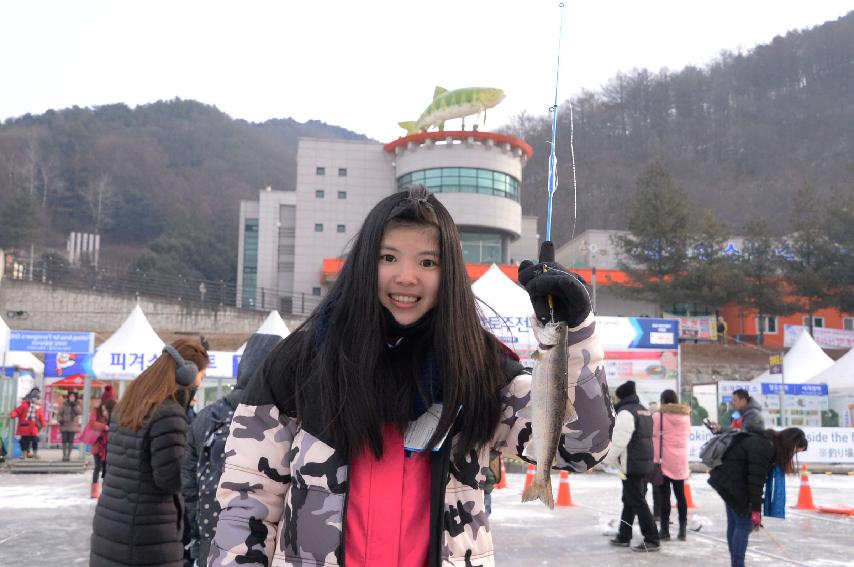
<point>384,411</point>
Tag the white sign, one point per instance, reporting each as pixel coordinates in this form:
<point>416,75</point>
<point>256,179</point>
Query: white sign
<point>826,444</point>
<point>825,338</point>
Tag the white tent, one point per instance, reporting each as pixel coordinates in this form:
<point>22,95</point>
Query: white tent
<point>506,308</point>
<point>129,351</point>
<point>803,361</point>
<point>839,377</point>
<point>10,359</point>
<point>272,325</point>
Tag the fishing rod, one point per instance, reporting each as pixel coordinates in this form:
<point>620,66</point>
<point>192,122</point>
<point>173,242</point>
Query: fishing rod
<point>552,156</point>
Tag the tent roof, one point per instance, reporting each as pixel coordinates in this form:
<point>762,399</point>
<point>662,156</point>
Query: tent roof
<point>502,294</point>
<point>133,338</point>
<point>839,377</point>
<point>272,325</point>
<point>16,358</point>
<point>803,361</point>
<point>74,382</point>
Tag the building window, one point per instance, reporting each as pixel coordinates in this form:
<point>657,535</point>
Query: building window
<point>817,322</point>
<point>315,291</point>
<point>463,180</point>
<point>342,172</point>
<point>766,324</point>
<point>481,248</point>
<point>342,228</point>
<point>319,194</point>
<point>342,194</point>
<point>320,171</point>
<point>848,323</point>
<point>318,227</point>
<point>250,262</point>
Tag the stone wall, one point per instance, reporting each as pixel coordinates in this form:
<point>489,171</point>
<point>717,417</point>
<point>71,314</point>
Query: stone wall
<point>41,307</point>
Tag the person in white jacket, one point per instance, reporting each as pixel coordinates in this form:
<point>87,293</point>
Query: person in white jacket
<point>631,451</point>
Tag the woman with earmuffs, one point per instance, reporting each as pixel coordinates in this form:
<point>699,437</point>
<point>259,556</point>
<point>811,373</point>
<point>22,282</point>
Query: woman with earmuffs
<point>138,519</point>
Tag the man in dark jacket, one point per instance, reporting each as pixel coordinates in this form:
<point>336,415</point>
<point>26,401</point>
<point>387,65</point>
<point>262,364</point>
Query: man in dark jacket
<point>205,459</point>
<point>751,420</point>
<point>631,451</point>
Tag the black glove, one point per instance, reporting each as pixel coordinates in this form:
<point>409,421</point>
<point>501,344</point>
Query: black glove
<point>547,277</point>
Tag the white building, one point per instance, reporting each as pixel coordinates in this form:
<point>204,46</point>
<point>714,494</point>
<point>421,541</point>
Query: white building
<point>291,243</point>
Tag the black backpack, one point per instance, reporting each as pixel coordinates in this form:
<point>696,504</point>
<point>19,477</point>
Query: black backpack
<point>712,452</point>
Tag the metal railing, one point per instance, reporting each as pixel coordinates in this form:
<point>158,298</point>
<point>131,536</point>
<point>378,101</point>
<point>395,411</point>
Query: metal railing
<point>178,288</point>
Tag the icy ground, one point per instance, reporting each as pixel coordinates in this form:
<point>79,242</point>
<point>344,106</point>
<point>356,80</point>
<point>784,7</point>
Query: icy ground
<point>46,520</point>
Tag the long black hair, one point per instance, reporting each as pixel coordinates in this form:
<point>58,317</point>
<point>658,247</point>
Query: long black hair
<point>343,346</point>
<point>788,442</point>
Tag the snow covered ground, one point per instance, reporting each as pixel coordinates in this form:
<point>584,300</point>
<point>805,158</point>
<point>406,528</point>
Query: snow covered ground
<point>46,520</point>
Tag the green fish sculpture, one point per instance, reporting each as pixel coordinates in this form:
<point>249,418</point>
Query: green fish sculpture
<point>448,105</point>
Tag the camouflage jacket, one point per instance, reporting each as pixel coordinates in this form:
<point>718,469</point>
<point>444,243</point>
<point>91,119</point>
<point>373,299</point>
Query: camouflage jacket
<point>284,490</point>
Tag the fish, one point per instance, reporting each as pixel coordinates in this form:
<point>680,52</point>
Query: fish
<point>550,407</point>
<point>457,103</point>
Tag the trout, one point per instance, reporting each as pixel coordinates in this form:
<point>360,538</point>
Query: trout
<point>549,408</point>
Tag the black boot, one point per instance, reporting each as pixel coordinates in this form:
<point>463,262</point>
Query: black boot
<point>683,525</point>
<point>664,532</point>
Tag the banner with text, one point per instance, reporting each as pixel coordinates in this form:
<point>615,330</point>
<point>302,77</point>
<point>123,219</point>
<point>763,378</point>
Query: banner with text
<point>826,338</point>
<point>826,444</point>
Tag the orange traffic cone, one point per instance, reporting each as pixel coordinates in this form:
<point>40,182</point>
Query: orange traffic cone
<point>564,498</point>
<point>529,477</point>
<point>502,483</point>
<point>689,499</point>
<point>805,495</point>
<point>95,490</point>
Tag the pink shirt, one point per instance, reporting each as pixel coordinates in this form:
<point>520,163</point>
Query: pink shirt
<point>674,457</point>
<point>388,508</point>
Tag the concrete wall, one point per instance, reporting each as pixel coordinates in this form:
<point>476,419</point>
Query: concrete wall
<point>48,308</point>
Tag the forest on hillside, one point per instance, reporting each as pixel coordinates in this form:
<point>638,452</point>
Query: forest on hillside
<point>162,182</point>
<point>740,135</point>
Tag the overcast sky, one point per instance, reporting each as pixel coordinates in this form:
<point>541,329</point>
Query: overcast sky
<point>362,65</point>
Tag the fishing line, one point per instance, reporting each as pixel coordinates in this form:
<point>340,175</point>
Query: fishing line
<point>552,157</point>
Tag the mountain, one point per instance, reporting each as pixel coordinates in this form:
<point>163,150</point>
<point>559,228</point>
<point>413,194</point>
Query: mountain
<point>739,135</point>
<point>168,176</point>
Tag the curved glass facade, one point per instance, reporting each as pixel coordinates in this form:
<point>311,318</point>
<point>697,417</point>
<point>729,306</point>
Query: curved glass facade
<point>463,180</point>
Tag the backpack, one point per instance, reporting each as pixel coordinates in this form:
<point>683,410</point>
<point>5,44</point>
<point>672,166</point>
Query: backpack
<point>712,452</point>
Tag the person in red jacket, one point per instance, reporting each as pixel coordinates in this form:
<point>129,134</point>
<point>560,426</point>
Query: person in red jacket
<point>100,421</point>
<point>30,416</point>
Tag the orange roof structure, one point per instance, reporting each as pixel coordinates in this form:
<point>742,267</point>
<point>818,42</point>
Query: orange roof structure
<point>420,138</point>
<point>331,267</point>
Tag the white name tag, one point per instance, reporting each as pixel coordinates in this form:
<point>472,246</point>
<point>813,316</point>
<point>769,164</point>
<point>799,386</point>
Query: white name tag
<point>419,432</point>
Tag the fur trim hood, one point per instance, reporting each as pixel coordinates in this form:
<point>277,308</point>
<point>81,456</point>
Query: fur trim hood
<point>675,408</point>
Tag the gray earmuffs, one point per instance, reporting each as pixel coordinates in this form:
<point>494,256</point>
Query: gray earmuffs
<point>186,371</point>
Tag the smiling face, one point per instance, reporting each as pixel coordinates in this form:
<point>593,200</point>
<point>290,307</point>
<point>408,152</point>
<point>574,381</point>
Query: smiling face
<point>409,272</point>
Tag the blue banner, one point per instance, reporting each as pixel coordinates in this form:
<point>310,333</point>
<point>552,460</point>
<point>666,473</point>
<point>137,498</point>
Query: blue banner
<point>658,334</point>
<point>51,341</point>
<point>62,364</point>
<point>795,389</point>
<point>235,363</point>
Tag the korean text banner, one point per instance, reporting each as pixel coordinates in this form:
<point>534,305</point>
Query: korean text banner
<point>826,444</point>
<point>627,333</point>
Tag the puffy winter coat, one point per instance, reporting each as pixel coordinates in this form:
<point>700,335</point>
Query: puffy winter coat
<point>677,429</point>
<point>26,426</point>
<point>741,476</point>
<point>205,458</point>
<point>69,416</point>
<point>139,517</point>
<point>631,448</point>
<point>284,490</point>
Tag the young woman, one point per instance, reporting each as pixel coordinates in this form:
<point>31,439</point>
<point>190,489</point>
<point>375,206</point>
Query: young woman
<point>367,434</point>
<point>69,423</point>
<point>671,427</point>
<point>138,520</point>
<point>740,479</point>
<point>100,421</point>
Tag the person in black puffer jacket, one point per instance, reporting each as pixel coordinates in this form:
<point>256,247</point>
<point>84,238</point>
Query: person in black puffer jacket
<point>741,476</point>
<point>138,519</point>
<point>205,458</point>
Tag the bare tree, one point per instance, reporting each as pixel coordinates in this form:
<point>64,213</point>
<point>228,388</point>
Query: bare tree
<point>100,200</point>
